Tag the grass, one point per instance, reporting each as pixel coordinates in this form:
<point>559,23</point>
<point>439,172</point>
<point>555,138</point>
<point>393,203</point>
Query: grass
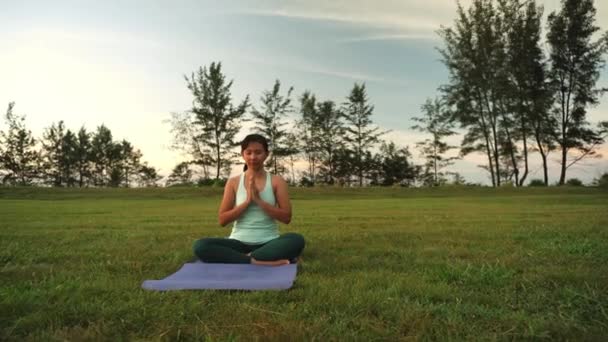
<point>380,264</point>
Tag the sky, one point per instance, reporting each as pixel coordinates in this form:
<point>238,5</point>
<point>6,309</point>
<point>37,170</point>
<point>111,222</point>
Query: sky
<point>122,63</point>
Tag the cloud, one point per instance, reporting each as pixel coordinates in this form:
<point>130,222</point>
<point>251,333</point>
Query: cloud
<point>351,75</point>
<point>418,17</point>
<point>385,37</point>
<point>412,15</point>
<point>378,19</point>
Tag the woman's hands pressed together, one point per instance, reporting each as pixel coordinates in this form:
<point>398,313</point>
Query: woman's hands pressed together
<point>253,195</point>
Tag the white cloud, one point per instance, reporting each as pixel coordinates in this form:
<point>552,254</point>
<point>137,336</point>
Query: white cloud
<point>421,15</point>
<point>395,37</point>
<point>413,18</point>
<point>359,16</point>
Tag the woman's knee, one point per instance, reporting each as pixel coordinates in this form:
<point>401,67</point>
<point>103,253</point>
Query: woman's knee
<point>201,246</point>
<point>296,239</point>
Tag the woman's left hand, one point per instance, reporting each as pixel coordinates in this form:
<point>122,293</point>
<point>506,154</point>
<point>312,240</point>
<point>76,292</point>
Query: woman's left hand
<point>253,191</point>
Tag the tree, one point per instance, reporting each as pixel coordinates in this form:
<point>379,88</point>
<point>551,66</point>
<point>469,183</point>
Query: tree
<point>70,158</point>
<point>186,138</point>
<point>148,176</point>
<point>434,121</point>
<point>59,157</point>
<point>17,151</point>
<point>269,123</point>
<point>307,129</point>
<point>344,162</point>
<point>180,175</point>
<point>53,155</point>
<point>209,128</point>
<point>601,181</point>
<point>114,163</point>
<point>129,162</point>
<point>330,133</point>
<point>293,147</point>
<point>530,95</point>
<point>395,165</point>
<point>474,55</point>
<point>576,62</point>
<point>102,152</point>
<point>359,136</point>
<point>83,156</point>
<point>457,178</point>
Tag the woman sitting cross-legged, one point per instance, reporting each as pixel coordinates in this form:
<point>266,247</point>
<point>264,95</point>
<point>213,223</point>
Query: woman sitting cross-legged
<point>253,200</point>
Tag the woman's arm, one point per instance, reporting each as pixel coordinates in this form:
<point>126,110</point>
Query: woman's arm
<point>228,211</point>
<point>282,212</point>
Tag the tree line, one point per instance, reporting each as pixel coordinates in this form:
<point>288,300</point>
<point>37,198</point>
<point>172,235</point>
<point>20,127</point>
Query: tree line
<point>336,140</point>
<point>508,94</point>
<point>64,158</point>
<point>512,96</point>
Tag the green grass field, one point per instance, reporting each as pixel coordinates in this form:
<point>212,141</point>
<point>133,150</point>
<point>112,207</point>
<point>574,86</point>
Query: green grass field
<point>380,264</point>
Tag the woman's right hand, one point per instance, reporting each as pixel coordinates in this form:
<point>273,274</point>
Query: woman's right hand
<point>251,190</point>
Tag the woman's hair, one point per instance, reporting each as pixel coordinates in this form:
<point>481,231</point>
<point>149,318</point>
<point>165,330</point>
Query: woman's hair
<point>253,138</point>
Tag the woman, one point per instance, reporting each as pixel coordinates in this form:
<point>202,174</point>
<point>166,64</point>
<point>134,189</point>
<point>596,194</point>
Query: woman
<point>253,200</point>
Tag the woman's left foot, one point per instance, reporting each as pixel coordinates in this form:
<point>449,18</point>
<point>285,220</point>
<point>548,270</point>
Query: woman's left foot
<point>270,263</point>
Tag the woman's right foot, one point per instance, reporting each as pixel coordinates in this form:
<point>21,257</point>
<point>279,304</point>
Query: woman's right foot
<point>270,263</point>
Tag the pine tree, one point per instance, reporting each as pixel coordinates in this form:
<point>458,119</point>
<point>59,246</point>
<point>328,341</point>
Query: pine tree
<point>270,123</point>
<point>360,136</point>
<point>307,128</point>
<point>18,156</point>
<point>330,137</point>
<point>83,157</point>
<point>434,121</point>
<point>213,121</point>
<point>53,155</point>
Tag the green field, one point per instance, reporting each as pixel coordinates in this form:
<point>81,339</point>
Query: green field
<point>380,264</point>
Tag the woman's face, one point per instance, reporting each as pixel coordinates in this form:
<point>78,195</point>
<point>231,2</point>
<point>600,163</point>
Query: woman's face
<point>254,155</point>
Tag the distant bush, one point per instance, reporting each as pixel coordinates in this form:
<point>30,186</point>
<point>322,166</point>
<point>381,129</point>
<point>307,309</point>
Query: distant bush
<point>602,181</point>
<point>220,183</point>
<point>181,185</point>
<point>574,182</point>
<point>536,182</point>
<point>211,182</point>
<point>204,182</point>
<point>304,181</point>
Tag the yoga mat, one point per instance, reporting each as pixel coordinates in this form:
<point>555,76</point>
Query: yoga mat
<point>199,276</point>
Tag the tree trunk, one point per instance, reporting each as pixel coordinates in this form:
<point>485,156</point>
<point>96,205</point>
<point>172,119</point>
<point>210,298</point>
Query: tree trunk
<point>537,136</point>
<point>524,133</point>
<point>488,147</point>
<point>525,175</point>
<point>512,154</point>
<point>562,176</point>
<point>435,180</point>
<point>496,156</point>
<point>495,138</point>
<point>360,173</point>
<point>565,118</point>
<point>219,156</point>
<point>545,173</point>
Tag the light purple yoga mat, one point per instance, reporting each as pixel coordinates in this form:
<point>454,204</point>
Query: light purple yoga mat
<point>199,276</point>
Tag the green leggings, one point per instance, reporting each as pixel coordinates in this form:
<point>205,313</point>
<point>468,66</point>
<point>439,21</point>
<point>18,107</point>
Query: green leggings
<point>231,251</point>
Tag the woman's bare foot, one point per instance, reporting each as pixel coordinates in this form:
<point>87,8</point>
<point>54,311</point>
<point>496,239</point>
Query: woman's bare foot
<point>270,263</point>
